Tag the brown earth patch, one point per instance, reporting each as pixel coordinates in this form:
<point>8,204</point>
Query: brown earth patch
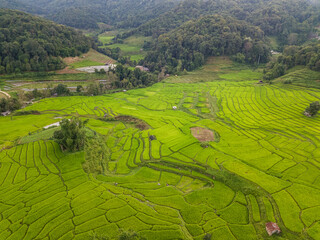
<point>70,60</point>
<point>136,121</point>
<point>202,134</point>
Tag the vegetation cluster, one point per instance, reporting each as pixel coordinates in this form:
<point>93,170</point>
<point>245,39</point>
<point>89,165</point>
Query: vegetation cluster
<point>128,79</point>
<point>289,20</point>
<point>188,46</point>
<point>29,43</point>
<point>312,109</point>
<point>72,134</point>
<point>87,14</point>
<point>9,104</point>
<point>307,55</point>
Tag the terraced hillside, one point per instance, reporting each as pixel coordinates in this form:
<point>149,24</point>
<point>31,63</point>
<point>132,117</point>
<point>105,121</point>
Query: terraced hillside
<point>159,180</point>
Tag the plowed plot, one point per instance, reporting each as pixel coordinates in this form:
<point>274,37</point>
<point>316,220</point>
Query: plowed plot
<point>202,134</point>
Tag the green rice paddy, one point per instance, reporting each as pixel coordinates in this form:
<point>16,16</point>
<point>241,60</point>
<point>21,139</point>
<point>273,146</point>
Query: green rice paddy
<point>263,165</point>
<point>131,47</point>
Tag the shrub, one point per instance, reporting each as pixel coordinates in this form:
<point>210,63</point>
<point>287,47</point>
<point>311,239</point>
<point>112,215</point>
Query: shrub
<point>128,235</point>
<point>72,134</point>
<point>312,110</point>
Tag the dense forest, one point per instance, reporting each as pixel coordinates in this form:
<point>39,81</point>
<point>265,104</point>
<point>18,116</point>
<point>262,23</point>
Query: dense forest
<point>187,46</point>
<point>16,4</point>
<point>127,78</point>
<point>87,14</point>
<point>29,43</point>
<point>289,20</point>
<point>308,55</point>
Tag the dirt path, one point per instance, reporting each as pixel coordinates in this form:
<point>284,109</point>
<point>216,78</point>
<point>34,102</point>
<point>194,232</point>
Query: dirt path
<point>4,93</point>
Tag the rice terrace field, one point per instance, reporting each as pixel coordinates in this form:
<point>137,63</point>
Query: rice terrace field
<point>262,163</point>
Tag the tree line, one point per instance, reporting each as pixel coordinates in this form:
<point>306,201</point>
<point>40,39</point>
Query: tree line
<point>29,43</point>
<point>289,20</point>
<point>88,14</point>
<point>9,104</point>
<point>188,46</point>
<point>307,55</point>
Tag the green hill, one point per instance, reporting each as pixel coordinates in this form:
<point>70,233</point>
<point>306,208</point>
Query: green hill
<point>274,17</point>
<point>187,46</point>
<point>86,14</point>
<point>29,43</point>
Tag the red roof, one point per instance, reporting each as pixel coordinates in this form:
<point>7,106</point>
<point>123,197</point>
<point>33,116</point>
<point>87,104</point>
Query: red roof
<point>272,228</point>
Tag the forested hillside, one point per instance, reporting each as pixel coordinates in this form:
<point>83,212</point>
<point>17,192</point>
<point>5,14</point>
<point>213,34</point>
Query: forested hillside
<point>189,45</point>
<point>88,13</point>
<point>308,55</point>
<point>16,4</point>
<point>29,43</point>
<point>289,20</point>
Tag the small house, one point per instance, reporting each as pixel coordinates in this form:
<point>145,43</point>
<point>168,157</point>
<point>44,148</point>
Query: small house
<point>272,228</point>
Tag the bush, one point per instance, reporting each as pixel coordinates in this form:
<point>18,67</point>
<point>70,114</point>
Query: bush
<point>289,81</point>
<point>61,90</point>
<point>128,235</point>
<point>312,110</point>
<point>72,135</point>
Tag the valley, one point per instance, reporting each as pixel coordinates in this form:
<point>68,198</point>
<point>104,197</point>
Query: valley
<point>173,187</point>
<point>159,120</point>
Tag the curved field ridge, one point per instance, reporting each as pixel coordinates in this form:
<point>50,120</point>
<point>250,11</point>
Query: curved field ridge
<point>265,166</point>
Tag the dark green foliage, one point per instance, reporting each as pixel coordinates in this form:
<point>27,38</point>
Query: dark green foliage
<point>87,14</point>
<point>208,236</point>
<point>187,46</point>
<point>313,109</point>
<point>95,89</point>
<point>72,135</point>
<point>128,235</point>
<point>127,78</point>
<point>29,43</point>
<point>21,113</point>
<point>79,88</point>
<point>281,18</point>
<point>308,55</point>
<point>61,90</point>
<point>114,53</point>
<point>36,93</point>
<point>10,104</point>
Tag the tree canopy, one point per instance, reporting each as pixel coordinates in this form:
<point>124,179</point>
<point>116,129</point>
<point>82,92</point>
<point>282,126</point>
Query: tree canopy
<point>313,109</point>
<point>281,18</point>
<point>29,43</point>
<point>187,46</point>
<point>87,14</point>
<point>307,55</point>
<point>72,135</point>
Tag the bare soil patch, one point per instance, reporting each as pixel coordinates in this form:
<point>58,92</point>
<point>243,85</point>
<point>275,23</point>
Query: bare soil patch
<point>137,122</point>
<point>202,134</point>
<point>70,60</point>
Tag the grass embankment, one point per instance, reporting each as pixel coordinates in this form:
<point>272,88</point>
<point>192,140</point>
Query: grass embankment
<point>131,47</point>
<point>92,58</point>
<point>263,167</point>
<point>300,76</point>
